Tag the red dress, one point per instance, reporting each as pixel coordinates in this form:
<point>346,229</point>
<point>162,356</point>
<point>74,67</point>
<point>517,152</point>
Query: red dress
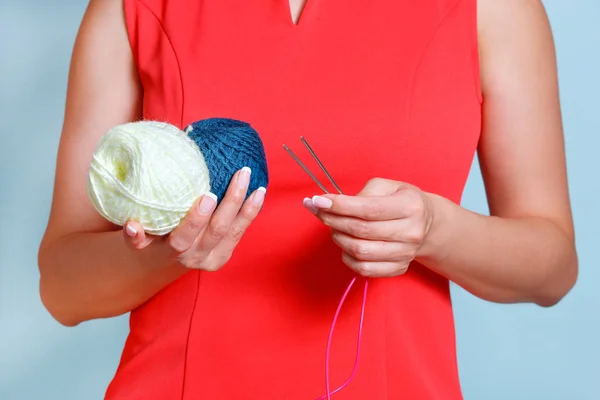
<point>380,88</point>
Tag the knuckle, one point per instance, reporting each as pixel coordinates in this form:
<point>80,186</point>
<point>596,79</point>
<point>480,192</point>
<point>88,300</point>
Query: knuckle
<point>237,198</point>
<point>404,268</point>
<point>191,262</point>
<point>376,181</point>
<point>210,267</point>
<point>415,201</point>
<point>197,263</point>
<point>218,261</point>
<point>419,206</point>
<point>249,212</point>
<point>360,229</point>
<point>414,235</point>
<point>224,259</point>
<point>400,269</point>
<point>363,268</point>
<point>236,233</point>
<point>336,237</point>
<point>409,255</point>
<point>372,210</point>
<point>176,244</point>
<point>193,224</point>
<point>359,250</point>
<point>218,230</point>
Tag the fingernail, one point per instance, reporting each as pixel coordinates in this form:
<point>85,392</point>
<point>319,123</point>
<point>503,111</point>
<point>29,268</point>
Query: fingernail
<point>130,231</point>
<point>244,178</point>
<point>321,202</point>
<point>309,205</point>
<point>259,195</point>
<point>209,200</point>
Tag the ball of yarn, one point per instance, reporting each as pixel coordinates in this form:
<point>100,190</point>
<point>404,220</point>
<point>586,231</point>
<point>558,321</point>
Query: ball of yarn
<point>153,172</point>
<point>147,171</point>
<point>227,146</point>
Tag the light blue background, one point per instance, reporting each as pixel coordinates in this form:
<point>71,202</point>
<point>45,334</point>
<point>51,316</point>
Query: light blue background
<point>515,352</point>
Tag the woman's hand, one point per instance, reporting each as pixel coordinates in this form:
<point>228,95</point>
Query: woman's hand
<point>206,237</point>
<point>379,230</point>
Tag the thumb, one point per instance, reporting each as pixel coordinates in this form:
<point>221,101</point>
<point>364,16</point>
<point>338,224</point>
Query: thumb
<point>383,187</point>
<point>135,236</point>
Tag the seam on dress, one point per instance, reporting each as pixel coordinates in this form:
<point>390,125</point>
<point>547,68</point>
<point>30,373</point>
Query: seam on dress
<point>164,31</point>
<point>420,60</point>
<point>189,333</point>
<point>195,301</point>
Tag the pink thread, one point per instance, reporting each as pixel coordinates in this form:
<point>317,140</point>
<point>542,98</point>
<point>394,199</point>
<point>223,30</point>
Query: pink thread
<point>360,327</point>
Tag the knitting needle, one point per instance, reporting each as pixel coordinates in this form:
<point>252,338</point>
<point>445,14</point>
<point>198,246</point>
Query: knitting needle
<point>314,155</point>
<point>305,168</point>
<point>301,164</point>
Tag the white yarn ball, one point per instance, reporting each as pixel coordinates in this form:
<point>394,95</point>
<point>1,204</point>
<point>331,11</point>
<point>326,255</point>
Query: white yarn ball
<point>147,171</point>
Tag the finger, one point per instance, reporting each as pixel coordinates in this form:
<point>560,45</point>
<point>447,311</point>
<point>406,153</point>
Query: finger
<point>223,217</point>
<point>184,235</point>
<point>135,236</point>
<point>307,203</point>
<point>374,250</point>
<point>247,214</point>
<point>405,230</point>
<point>370,208</point>
<point>371,269</point>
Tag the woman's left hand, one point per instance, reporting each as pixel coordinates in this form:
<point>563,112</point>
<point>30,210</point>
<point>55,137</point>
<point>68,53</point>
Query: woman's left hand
<point>381,229</point>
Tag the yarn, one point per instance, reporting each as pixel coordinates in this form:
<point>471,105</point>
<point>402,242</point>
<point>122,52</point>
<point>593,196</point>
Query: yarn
<point>229,145</point>
<point>152,172</point>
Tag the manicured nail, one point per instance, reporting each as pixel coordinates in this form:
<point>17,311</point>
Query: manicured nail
<point>259,195</point>
<point>309,205</point>
<point>130,231</point>
<point>321,202</point>
<point>208,202</point>
<point>244,178</point>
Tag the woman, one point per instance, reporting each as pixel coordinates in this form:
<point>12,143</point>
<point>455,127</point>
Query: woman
<point>395,98</point>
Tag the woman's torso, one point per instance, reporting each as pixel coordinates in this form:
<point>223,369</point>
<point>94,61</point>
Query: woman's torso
<point>381,88</point>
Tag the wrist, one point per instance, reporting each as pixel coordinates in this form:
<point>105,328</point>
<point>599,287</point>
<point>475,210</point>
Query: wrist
<point>440,213</point>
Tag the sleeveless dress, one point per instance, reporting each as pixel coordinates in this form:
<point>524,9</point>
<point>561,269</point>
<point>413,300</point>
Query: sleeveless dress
<point>379,88</point>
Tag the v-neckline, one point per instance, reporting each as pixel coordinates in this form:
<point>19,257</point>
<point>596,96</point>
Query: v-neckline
<point>301,14</point>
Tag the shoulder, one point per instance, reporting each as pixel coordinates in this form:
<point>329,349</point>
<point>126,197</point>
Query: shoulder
<point>513,35</point>
<point>511,19</point>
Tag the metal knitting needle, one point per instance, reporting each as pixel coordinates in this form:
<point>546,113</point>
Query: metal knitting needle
<point>314,155</point>
<point>310,174</point>
<point>301,164</point>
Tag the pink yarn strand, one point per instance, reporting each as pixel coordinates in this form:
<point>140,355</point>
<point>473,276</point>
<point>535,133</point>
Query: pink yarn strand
<point>329,341</point>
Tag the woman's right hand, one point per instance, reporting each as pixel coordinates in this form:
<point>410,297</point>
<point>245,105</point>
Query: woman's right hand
<point>206,237</point>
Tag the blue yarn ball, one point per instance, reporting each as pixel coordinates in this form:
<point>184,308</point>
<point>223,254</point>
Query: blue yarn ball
<point>228,145</point>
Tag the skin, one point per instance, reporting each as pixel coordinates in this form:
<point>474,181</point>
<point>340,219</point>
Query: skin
<point>296,7</point>
<point>89,268</point>
<point>523,252</point>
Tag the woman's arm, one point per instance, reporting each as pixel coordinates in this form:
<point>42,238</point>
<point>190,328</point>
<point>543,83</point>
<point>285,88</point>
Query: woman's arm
<point>82,256</point>
<point>90,268</point>
<point>87,269</point>
<point>524,251</point>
